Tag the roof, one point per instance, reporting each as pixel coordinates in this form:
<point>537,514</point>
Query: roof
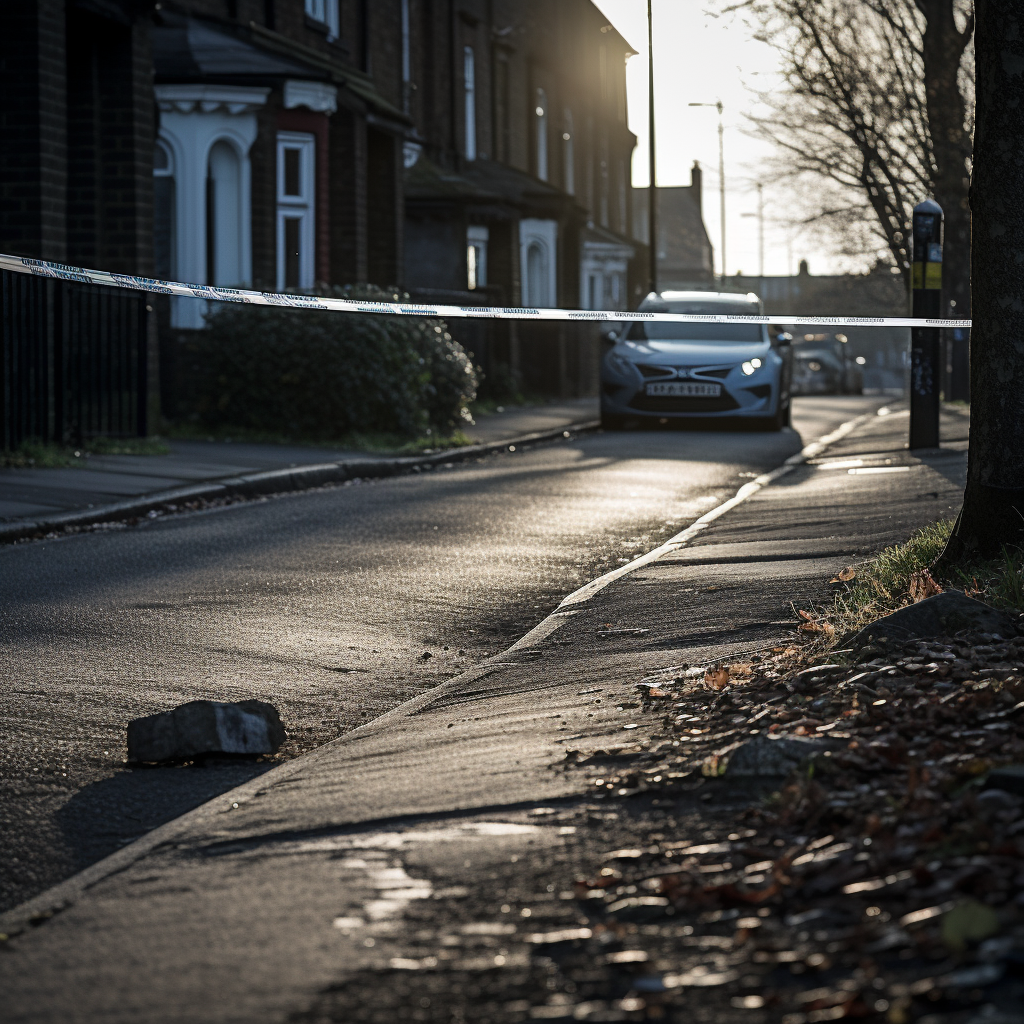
<point>187,48</point>
<point>425,180</point>
<point>190,49</point>
<point>491,188</point>
<point>595,234</point>
<point>684,249</point>
<point>511,184</point>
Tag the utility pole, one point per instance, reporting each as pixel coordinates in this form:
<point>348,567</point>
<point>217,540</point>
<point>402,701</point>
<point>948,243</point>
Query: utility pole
<point>652,196</point>
<point>721,168</point>
<point>760,234</point>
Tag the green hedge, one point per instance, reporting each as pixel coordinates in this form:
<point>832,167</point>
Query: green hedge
<point>322,374</point>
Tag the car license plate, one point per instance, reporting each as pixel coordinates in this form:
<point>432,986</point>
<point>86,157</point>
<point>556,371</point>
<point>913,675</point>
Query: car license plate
<point>681,389</point>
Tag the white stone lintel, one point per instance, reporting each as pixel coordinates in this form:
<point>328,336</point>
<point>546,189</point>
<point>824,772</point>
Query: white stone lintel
<point>318,96</point>
<point>186,97</point>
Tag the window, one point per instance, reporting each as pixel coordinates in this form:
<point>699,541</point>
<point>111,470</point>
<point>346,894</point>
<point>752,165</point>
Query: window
<point>476,256</point>
<point>325,12</point>
<point>165,263</point>
<point>541,110</point>
<point>296,153</point>
<point>406,58</point>
<point>469,88</point>
<point>623,212</point>
<point>568,155</point>
<point>224,216</point>
<point>603,196</point>
<point>501,107</point>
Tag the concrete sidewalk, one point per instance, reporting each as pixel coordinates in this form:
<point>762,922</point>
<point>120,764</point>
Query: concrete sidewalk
<point>105,479</point>
<point>402,871</point>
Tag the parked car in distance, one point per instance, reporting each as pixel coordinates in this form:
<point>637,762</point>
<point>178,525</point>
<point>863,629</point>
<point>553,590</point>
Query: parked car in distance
<point>823,365</point>
<point>656,372</point>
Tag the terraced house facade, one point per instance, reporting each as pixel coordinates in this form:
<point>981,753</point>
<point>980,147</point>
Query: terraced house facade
<point>468,149</point>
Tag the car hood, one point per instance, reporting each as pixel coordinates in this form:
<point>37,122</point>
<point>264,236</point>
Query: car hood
<point>672,353</point>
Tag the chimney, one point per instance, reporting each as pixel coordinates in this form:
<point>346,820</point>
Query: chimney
<point>804,271</point>
<point>697,184</point>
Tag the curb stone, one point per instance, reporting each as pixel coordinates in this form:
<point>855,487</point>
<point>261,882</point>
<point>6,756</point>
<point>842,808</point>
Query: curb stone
<point>275,481</point>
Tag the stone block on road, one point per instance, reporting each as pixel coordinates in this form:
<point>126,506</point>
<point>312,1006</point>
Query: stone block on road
<point>206,727</point>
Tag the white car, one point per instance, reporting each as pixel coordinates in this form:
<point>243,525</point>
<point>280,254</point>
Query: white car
<point>656,372</point>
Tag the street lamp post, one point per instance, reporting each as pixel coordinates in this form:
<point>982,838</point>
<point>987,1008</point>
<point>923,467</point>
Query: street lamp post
<point>721,169</point>
<point>652,196</point>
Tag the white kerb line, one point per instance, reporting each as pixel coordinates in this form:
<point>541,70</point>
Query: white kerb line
<point>43,268</point>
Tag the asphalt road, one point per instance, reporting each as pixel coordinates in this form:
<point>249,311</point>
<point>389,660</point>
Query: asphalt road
<point>335,604</point>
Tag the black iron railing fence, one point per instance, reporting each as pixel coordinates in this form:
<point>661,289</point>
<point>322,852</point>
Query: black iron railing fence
<point>72,361</point>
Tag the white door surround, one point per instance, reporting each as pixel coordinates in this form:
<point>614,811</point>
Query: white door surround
<point>538,262</point>
<point>603,269</point>
<point>193,119</point>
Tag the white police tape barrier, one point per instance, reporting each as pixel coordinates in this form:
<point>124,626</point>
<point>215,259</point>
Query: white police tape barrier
<point>41,268</point>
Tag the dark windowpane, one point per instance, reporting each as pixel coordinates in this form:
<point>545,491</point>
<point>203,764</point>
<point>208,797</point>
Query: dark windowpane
<point>163,226</point>
<point>211,231</point>
<point>501,119</point>
<point>291,172</point>
<point>291,252</point>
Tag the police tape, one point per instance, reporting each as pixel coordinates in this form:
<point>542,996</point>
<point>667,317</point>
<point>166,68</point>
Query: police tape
<point>42,268</point>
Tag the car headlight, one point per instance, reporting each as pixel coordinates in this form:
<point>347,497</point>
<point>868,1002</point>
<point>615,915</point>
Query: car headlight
<point>751,366</point>
<point>623,367</point>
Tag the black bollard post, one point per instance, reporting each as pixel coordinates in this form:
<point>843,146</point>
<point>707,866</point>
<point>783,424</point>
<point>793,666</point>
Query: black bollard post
<point>925,349</point>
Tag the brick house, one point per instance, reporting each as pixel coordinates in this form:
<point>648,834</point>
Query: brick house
<point>470,148</point>
<point>517,175</point>
<point>685,255</point>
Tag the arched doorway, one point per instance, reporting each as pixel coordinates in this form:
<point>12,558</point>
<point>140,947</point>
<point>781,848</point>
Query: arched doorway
<point>224,216</point>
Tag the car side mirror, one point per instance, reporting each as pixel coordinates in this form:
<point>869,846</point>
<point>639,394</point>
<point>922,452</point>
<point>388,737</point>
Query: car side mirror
<point>783,339</point>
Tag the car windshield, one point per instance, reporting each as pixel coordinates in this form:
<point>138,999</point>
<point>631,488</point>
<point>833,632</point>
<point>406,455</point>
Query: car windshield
<point>646,331</point>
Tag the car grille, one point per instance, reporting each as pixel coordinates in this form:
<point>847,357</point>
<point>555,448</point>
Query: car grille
<point>668,403</point>
<point>651,370</point>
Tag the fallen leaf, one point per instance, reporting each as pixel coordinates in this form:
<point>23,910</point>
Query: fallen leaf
<point>716,677</point>
<point>844,575</point>
<point>923,586</point>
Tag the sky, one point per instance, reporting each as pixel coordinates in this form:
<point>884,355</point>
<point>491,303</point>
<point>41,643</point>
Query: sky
<point>700,58</point>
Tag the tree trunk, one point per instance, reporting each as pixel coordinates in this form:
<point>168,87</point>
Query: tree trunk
<point>993,510</point>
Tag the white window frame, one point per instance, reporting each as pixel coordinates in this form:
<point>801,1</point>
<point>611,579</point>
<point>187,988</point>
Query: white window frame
<point>469,89</point>
<point>477,236</point>
<point>325,12</point>
<point>301,208</point>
